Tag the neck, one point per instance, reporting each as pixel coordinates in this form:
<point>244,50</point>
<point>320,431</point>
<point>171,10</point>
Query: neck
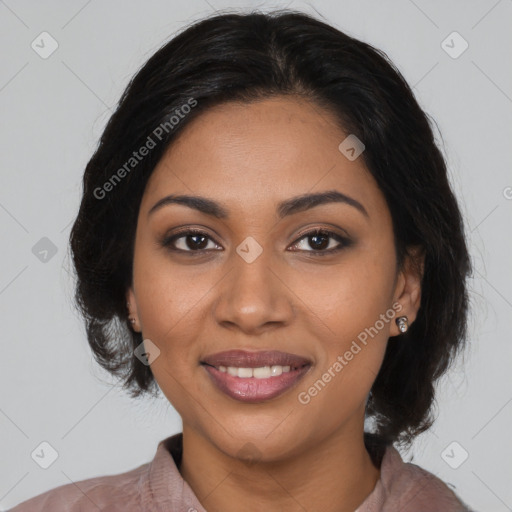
<point>335,476</point>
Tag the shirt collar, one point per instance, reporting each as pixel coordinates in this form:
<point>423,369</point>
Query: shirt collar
<point>163,488</point>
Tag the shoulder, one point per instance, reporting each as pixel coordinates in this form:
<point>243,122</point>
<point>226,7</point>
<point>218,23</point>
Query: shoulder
<point>413,488</point>
<point>118,492</point>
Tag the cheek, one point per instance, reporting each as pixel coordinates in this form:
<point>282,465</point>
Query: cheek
<point>351,296</point>
<point>353,302</point>
<point>352,353</point>
<point>167,293</point>
<point>171,302</point>
<point>168,309</point>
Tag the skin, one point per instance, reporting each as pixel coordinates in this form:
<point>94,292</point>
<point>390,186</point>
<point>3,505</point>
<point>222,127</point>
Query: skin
<point>249,157</point>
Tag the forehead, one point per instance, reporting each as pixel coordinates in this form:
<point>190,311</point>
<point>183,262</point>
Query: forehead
<point>248,154</point>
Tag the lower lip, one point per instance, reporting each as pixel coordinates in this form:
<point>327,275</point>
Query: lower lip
<point>255,390</point>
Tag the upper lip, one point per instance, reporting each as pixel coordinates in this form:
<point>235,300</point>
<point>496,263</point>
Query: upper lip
<point>245,359</point>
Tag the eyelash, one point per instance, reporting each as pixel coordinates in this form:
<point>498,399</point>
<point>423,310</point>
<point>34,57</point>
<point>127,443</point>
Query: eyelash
<point>344,242</point>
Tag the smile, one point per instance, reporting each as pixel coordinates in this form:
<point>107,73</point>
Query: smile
<point>255,376</point>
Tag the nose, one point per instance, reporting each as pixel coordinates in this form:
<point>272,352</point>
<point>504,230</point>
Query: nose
<point>253,297</point>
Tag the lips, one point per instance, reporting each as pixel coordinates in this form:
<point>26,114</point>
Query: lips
<point>244,359</point>
<point>254,377</point>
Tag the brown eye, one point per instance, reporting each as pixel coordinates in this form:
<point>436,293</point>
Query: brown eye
<point>188,241</point>
<point>322,242</point>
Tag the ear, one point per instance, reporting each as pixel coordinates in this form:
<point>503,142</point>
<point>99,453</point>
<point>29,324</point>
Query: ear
<point>408,286</point>
<point>132,309</point>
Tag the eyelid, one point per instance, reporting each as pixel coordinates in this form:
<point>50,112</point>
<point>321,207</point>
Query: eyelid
<point>167,241</point>
<point>324,229</point>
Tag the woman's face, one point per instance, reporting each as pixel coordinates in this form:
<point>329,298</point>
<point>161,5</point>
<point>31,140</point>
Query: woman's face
<point>252,281</point>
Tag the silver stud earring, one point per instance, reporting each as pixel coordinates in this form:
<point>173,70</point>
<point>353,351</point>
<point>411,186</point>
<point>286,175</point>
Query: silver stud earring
<point>403,323</point>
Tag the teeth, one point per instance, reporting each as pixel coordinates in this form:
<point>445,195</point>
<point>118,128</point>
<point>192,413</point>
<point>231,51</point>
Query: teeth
<point>263,372</point>
<point>244,373</point>
<point>232,371</point>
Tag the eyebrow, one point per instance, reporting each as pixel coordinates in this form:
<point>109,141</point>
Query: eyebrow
<point>285,208</point>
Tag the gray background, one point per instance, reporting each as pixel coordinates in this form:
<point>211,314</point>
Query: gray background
<point>53,111</point>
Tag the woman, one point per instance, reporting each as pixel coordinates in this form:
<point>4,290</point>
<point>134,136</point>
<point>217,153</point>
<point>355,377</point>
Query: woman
<point>267,235</point>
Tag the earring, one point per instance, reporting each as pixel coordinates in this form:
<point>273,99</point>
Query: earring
<point>130,318</point>
<point>402,323</point>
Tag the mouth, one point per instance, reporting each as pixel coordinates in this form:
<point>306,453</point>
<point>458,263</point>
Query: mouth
<point>255,376</point>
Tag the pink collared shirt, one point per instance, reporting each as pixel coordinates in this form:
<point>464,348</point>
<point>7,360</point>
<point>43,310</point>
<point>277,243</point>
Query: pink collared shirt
<point>159,487</point>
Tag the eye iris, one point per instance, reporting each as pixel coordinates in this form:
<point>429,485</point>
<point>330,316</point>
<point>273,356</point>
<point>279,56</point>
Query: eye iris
<point>194,244</point>
<point>316,245</point>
